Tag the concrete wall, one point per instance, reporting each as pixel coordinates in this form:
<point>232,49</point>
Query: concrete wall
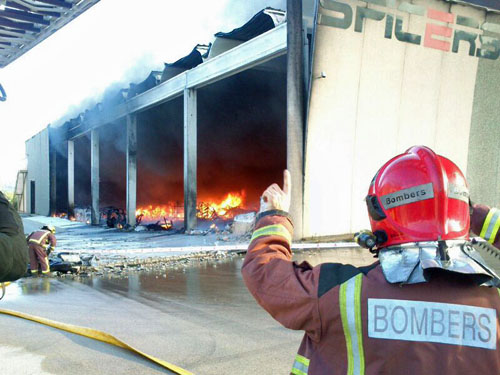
<point>483,168</point>
<point>37,153</point>
<point>380,96</point>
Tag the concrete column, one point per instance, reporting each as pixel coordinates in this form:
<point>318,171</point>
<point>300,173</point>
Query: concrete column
<point>94,176</point>
<point>190,156</point>
<point>295,111</point>
<point>131,168</point>
<point>53,178</point>
<point>71,178</point>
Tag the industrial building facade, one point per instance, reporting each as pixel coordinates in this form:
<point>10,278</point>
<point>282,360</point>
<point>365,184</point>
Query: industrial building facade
<point>216,121</point>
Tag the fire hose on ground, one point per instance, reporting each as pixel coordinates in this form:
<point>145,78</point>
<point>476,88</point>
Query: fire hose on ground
<point>96,335</point>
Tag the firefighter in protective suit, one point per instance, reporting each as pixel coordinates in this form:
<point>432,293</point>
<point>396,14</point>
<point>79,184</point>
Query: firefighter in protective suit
<point>40,244</point>
<point>429,305</point>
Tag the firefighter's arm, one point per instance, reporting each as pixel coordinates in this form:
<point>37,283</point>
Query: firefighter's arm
<point>284,289</point>
<point>13,248</point>
<point>485,222</point>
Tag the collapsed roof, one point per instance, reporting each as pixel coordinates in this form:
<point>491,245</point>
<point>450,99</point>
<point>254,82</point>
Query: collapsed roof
<point>25,23</point>
<point>192,60</point>
<point>263,21</point>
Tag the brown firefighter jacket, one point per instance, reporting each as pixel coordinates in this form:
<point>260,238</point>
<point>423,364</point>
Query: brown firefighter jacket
<point>355,322</point>
<point>42,239</point>
<point>485,222</point>
<point>13,249</point>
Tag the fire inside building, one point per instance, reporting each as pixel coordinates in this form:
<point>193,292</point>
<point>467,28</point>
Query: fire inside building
<point>203,138</point>
<point>231,108</point>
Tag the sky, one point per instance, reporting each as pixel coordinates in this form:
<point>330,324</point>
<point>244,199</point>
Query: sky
<point>112,44</point>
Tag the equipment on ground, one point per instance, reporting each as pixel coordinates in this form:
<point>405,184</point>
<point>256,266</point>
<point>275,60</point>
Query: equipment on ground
<point>96,335</point>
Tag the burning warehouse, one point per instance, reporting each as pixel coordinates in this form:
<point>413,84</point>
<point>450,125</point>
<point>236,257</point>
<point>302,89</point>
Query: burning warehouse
<point>206,135</point>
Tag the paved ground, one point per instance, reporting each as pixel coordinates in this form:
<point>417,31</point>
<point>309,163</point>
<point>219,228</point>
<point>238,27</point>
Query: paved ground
<point>198,316</point>
<point>74,236</point>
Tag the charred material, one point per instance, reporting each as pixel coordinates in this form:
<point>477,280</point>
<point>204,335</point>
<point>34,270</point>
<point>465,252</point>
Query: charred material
<point>167,225</point>
<point>116,218</point>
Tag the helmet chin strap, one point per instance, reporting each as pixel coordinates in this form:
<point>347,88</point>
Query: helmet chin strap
<point>443,250</point>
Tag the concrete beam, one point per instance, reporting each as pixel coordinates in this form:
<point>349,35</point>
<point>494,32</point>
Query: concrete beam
<point>131,169</point>
<point>190,158</point>
<point>295,111</point>
<point>71,178</point>
<point>94,176</point>
<point>256,51</point>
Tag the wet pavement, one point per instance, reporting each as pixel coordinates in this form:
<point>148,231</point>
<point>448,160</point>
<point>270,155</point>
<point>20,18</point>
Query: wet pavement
<point>197,315</point>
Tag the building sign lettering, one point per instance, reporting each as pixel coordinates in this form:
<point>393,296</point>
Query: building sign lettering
<point>440,32</point>
<point>432,322</point>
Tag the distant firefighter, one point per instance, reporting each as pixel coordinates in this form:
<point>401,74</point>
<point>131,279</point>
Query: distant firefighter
<point>40,244</point>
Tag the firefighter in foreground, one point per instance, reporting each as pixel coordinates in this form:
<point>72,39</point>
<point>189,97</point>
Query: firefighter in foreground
<point>13,249</point>
<point>428,306</point>
<point>41,243</point>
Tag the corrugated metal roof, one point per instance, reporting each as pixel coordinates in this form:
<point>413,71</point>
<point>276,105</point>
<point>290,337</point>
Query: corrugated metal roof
<point>25,23</point>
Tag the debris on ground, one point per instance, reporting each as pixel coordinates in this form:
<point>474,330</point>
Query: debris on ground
<point>244,223</point>
<point>113,264</point>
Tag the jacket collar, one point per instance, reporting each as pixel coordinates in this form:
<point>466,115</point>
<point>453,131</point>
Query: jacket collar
<point>410,263</point>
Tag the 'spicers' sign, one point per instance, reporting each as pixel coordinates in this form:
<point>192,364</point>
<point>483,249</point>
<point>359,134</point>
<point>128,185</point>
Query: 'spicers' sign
<point>442,31</point>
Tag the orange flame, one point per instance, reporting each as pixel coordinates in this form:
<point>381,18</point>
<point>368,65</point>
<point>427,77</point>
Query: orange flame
<point>62,215</point>
<point>205,210</point>
<point>169,210</point>
<point>211,210</point>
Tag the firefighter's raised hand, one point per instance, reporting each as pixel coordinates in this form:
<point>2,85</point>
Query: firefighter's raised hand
<point>274,198</point>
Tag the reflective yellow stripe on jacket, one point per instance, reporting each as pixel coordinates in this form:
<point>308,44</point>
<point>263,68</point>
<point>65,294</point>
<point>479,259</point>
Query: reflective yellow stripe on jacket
<point>350,313</point>
<point>39,242</point>
<point>300,366</point>
<point>491,225</point>
<point>273,230</point>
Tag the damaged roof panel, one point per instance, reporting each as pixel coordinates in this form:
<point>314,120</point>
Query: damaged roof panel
<point>153,80</point>
<point>263,21</point>
<point>195,58</point>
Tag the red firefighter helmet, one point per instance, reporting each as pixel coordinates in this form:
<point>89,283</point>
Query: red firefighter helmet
<point>418,196</point>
